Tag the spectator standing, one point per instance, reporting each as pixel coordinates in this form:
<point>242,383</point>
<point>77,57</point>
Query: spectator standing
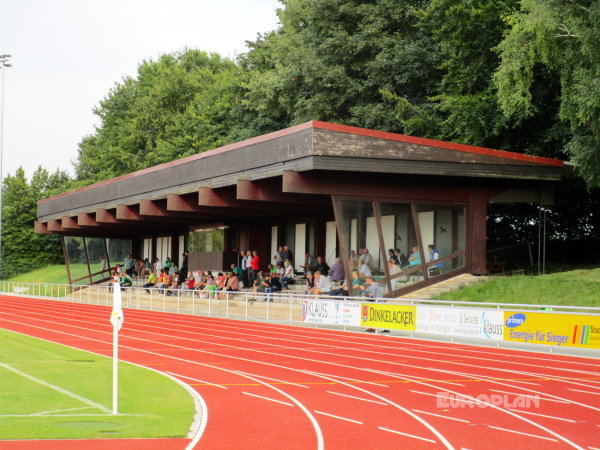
<point>128,263</point>
<point>279,255</point>
<point>287,254</point>
<point>184,262</point>
<point>255,265</point>
<point>249,275</point>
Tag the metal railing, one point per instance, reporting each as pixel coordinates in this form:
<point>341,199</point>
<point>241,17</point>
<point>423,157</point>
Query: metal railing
<point>243,304</point>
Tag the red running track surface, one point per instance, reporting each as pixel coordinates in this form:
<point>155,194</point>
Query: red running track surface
<point>272,386</point>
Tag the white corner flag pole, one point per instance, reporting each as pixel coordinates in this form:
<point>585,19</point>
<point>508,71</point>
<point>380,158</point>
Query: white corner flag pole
<point>116,319</point>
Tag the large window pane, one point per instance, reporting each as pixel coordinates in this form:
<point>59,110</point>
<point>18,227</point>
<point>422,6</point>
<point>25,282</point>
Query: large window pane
<point>401,245</point>
<point>97,258</point>
<point>207,240</point>
<point>442,231</point>
<point>77,259</point>
<point>118,249</point>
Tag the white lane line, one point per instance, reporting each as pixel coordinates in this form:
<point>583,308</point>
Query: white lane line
<point>439,415</point>
<point>542,415</point>
<point>42,413</point>
<point>594,448</point>
<point>70,415</point>
<point>528,395</point>
<point>408,377</point>
<point>524,434</point>
<point>585,392</point>
<point>196,379</point>
<point>406,434</point>
<point>523,382</point>
<point>344,378</point>
<point>441,396</point>
<point>338,417</point>
<point>305,359</point>
<point>267,398</point>
<point>275,379</point>
<point>58,389</point>
<point>358,398</point>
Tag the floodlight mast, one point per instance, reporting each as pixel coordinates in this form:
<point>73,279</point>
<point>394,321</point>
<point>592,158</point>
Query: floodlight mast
<point>4,63</point>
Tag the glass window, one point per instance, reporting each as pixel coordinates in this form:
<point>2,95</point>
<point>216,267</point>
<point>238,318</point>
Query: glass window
<point>442,231</point>
<point>400,240</point>
<point>118,249</point>
<point>77,259</point>
<point>97,257</point>
<point>207,240</point>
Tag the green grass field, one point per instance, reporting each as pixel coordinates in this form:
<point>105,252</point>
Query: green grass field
<point>150,404</point>
<point>579,287</point>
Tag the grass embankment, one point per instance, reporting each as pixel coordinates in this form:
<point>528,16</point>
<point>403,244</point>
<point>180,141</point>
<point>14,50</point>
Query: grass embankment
<point>49,274</point>
<point>150,405</point>
<point>579,287</point>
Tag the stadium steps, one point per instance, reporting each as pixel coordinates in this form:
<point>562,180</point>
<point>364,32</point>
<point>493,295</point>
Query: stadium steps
<point>451,284</point>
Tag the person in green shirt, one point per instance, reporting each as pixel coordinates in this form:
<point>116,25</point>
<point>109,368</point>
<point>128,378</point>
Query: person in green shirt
<point>125,280</point>
<point>236,271</point>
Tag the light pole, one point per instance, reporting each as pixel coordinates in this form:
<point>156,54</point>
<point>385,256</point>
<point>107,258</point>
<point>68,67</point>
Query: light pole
<point>4,63</point>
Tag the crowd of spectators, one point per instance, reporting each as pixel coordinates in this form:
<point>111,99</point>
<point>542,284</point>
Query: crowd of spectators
<point>318,277</point>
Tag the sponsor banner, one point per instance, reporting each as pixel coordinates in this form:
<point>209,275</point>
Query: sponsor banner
<point>382,315</point>
<point>461,322</point>
<point>331,312</point>
<point>568,330</point>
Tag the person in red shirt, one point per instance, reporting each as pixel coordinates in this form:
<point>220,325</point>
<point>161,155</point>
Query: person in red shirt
<point>254,265</point>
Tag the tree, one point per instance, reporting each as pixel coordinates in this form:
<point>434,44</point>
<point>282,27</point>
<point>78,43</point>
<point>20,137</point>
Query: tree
<point>22,249</point>
<point>340,62</point>
<point>563,38</point>
<point>176,106</point>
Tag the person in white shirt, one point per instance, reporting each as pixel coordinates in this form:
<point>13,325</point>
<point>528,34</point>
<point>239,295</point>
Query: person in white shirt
<point>363,269</point>
<point>322,284</point>
<point>288,274</point>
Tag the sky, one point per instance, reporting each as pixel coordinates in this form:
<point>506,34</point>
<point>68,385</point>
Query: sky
<point>67,54</point>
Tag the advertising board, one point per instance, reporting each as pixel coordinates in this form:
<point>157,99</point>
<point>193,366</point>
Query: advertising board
<point>546,328</point>
<point>393,317</point>
<point>461,322</point>
<point>331,312</point>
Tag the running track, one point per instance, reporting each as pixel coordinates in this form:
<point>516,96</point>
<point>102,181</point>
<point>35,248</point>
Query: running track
<point>271,386</point>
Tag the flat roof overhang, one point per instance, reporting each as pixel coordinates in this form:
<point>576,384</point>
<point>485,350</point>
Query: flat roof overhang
<point>291,174</point>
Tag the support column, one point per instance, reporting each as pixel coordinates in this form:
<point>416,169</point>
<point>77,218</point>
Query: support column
<point>478,230</point>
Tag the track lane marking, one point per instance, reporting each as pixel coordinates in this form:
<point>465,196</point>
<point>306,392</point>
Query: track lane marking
<point>196,379</point>
<point>338,417</point>
<point>528,395</point>
<point>275,379</point>
<point>312,334</point>
<point>408,435</point>
<point>524,434</point>
<point>585,392</point>
<point>268,398</point>
<point>542,415</point>
<point>327,362</point>
<point>57,388</point>
<point>442,416</point>
<point>441,396</point>
<point>358,398</point>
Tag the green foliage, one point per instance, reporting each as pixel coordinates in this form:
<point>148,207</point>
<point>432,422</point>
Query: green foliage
<point>177,106</point>
<point>563,37</point>
<point>336,61</point>
<point>573,288</point>
<point>22,249</point>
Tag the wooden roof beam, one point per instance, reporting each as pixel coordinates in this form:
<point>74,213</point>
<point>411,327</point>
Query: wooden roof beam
<point>270,192</point>
<point>40,227</point>
<point>69,223</point>
<point>54,226</point>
